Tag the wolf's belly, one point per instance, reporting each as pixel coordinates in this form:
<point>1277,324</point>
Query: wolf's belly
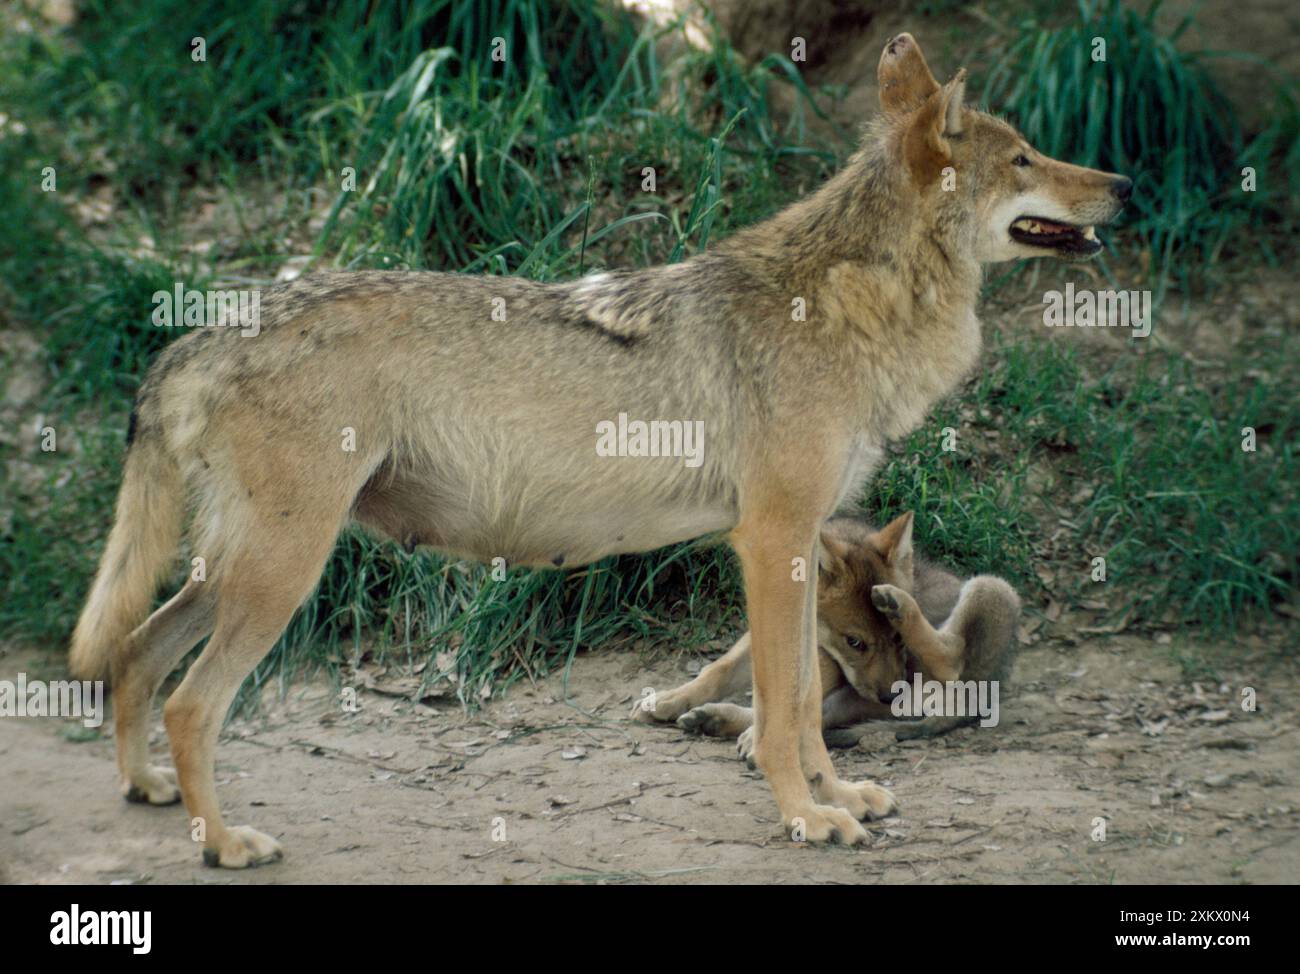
<point>564,536</point>
<point>570,538</point>
<point>538,515</point>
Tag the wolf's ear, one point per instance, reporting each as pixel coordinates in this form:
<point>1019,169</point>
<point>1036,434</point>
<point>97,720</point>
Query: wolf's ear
<point>954,96</point>
<point>895,542</point>
<point>904,77</point>
<point>926,144</point>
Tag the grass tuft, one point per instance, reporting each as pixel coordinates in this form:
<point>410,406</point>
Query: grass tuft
<point>1150,110</point>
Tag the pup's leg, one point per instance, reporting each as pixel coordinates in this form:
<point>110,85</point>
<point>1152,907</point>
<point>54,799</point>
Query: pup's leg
<point>940,652</point>
<point>782,652</point>
<point>933,727</point>
<point>717,720</point>
<point>841,708</point>
<point>973,641</point>
<point>138,666</point>
<point>844,711</point>
<point>726,676</point>
<point>261,584</point>
<point>844,707</point>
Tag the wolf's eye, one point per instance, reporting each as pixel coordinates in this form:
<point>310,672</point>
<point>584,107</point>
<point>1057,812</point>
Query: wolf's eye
<point>1020,160</point>
<point>854,642</point>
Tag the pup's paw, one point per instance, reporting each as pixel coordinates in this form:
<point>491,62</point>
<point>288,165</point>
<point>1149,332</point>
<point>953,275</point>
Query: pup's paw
<point>153,786</point>
<point>893,603</point>
<point>703,720</point>
<point>745,748</point>
<point>243,848</point>
<point>825,823</point>
<point>660,708</point>
<point>864,800</point>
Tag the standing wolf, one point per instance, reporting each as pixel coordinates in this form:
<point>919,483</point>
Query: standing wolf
<point>462,412</point>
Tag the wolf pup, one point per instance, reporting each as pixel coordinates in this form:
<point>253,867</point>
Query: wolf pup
<point>883,615</point>
<point>471,414</point>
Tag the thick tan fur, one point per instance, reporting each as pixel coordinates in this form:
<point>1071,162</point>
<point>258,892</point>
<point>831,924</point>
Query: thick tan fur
<point>473,403</point>
<point>141,547</point>
<point>883,614</point>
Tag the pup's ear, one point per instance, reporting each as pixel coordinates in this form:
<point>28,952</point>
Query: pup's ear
<point>939,118</point>
<point>904,77</point>
<point>895,542</point>
<point>833,555</point>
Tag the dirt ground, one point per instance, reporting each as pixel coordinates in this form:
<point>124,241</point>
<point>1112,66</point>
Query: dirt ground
<point>1192,788</point>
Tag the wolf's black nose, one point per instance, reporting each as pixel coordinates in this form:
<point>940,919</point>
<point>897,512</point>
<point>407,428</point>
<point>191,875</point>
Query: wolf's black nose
<point>1122,188</point>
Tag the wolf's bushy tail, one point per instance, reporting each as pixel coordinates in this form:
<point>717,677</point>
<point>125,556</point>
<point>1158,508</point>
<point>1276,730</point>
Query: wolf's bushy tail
<point>141,546</point>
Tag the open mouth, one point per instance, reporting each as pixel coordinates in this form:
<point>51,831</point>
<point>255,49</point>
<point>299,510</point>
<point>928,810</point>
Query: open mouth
<point>1064,238</point>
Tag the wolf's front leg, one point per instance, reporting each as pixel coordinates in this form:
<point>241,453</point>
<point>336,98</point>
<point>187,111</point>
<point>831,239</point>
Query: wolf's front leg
<point>862,799</point>
<point>786,681</point>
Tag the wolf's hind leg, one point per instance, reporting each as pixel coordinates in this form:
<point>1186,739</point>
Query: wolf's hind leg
<point>262,582</point>
<point>138,667</point>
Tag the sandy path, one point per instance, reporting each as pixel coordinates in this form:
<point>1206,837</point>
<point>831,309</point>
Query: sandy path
<point>1193,789</point>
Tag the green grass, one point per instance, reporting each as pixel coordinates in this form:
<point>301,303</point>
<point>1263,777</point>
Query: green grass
<point>1152,112</point>
<point>515,167</point>
<point>534,166</point>
<point>1146,469</point>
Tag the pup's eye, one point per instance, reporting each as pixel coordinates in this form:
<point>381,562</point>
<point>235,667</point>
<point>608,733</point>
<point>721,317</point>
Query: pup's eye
<point>1020,160</point>
<point>854,642</point>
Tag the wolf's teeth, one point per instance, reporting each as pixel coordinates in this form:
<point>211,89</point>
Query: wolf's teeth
<point>1089,233</point>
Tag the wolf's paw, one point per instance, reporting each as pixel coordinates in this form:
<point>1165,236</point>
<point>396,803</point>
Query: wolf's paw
<point>153,786</point>
<point>825,823</point>
<point>660,708</point>
<point>745,748</point>
<point>864,800</point>
<point>893,603</point>
<point>243,848</point>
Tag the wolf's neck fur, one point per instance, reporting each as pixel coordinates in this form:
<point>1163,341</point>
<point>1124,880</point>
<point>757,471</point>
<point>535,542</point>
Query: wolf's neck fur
<point>890,281</point>
<point>868,216</point>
